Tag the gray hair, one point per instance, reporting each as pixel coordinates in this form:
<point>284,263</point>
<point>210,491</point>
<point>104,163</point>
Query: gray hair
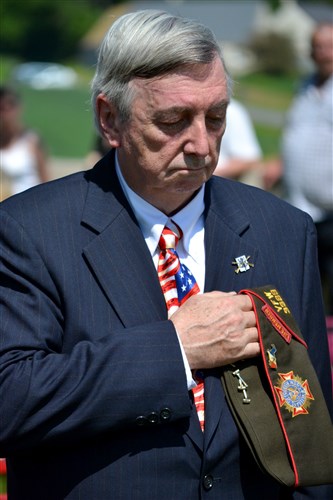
<point>145,44</point>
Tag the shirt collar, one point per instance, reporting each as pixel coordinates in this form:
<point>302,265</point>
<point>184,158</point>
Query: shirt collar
<point>152,220</point>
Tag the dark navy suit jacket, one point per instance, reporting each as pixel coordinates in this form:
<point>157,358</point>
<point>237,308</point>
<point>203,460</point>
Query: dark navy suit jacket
<point>94,402</point>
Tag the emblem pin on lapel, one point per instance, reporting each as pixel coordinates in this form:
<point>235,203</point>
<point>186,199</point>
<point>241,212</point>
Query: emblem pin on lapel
<point>242,263</point>
<point>271,353</point>
<point>242,386</point>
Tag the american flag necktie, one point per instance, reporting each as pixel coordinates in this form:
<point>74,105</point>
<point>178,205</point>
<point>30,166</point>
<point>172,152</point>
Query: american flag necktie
<point>178,284</point>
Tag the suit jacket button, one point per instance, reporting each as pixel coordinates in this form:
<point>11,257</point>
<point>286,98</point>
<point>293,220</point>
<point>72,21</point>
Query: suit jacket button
<point>165,414</point>
<point>141,420</point>
<point>153,417</point>
<point>208,481</point>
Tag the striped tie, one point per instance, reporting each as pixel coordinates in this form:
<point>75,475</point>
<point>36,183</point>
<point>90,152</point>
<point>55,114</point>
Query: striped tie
<point>178,284</point>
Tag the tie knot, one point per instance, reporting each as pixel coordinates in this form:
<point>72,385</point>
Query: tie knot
<point>169,238</point>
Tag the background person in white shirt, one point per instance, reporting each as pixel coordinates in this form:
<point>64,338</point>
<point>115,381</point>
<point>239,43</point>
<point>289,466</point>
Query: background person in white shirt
<point>240,153</point>
<point>306,164</point>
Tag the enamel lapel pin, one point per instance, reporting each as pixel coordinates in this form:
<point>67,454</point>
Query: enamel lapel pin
<point>242,263</point>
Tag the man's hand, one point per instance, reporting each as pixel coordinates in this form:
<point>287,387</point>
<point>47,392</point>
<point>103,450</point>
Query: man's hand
<point>216,329</point>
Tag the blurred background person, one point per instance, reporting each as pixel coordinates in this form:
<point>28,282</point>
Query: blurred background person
<point>240,154</point>
<point>306,164</point>
<point>23,159</point>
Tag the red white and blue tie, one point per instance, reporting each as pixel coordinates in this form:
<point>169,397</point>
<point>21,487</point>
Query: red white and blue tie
<point>178,284</point>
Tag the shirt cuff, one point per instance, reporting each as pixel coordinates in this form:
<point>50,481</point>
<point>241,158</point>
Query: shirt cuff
<point>189,378</point>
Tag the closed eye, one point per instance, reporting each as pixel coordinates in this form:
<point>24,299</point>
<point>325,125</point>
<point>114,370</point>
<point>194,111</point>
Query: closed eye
<point>216,121</point>
<point>172,126</point>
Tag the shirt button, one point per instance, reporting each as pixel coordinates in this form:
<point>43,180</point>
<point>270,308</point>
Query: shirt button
<point>165,414</point>
<point>208,481</point>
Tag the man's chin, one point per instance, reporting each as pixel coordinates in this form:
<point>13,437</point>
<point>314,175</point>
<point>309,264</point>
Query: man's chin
<point>193,173</point>
<point>189,186</point>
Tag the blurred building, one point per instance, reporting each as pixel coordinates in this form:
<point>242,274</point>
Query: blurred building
<point>235,23</point>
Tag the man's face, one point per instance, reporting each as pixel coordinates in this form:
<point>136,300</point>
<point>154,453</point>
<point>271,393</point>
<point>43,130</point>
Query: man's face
<point>170,145</point>
<point>322,50</point>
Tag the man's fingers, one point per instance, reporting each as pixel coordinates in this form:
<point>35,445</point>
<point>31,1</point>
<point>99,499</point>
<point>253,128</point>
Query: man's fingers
<point>252,334</point>
<point>250,319</point>
<point>251,350</point>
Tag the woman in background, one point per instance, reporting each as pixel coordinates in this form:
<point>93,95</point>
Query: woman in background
<point>23,159</point>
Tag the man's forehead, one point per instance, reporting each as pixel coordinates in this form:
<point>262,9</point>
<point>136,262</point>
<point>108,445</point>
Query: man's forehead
<point>198,72</point>
<point>165,109</point>
<point>181,87</point>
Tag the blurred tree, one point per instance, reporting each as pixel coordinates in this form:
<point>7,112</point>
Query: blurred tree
<point>44,30</point>
<point>275,53</point>
<point>106,3</point>
<point>328,2</point>
<point>275,4</point>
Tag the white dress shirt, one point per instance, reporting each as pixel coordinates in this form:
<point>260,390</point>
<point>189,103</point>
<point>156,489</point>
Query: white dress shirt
<point>307,149</point>
<point>239,139</point>
<point>191,249</point>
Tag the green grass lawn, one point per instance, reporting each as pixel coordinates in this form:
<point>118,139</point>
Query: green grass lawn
<point>267,91</point>
<point>62,117</point>
<point>269,138</point>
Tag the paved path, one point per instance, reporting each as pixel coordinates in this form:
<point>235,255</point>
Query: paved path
<point>267,116</point>
<point>60,167</point>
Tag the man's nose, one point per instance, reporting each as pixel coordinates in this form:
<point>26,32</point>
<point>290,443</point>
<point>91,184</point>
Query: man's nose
<point>197,140</point>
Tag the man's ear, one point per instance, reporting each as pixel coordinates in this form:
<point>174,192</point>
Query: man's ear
<point>108,119</point>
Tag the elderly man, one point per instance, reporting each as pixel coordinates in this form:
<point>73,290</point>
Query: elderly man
<point>112,342</point>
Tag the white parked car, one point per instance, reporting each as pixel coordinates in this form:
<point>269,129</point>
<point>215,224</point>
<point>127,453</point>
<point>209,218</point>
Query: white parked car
<point>43,75</point>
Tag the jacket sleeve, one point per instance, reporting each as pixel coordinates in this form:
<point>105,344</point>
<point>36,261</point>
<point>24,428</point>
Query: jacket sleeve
<point>54,397</point>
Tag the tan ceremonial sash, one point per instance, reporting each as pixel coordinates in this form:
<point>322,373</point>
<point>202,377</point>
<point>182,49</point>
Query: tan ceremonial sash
<point>277,401</point>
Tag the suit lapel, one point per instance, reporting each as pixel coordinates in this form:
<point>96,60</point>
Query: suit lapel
<point>117,253</point>
<point>226,228</point>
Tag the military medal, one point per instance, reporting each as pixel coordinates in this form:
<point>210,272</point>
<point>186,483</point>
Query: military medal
<point>294,393</point>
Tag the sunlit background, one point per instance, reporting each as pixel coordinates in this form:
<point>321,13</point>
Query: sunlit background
<point>265,45</point>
